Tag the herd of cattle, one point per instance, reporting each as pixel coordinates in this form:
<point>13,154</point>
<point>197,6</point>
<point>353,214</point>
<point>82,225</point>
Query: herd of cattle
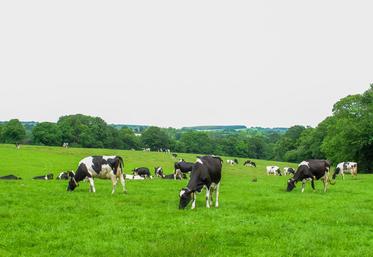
<point>205,172</point>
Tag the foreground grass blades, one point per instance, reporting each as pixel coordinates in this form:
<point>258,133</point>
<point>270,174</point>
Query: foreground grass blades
<point>39,218</point>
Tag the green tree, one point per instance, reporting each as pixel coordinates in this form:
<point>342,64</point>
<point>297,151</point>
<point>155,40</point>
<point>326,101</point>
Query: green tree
<point>128,139</point>
<point>13,132</point>
<point>155,138</point>
<point>47,133</point>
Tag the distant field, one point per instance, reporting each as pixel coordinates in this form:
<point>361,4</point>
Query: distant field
<point>39,218</point>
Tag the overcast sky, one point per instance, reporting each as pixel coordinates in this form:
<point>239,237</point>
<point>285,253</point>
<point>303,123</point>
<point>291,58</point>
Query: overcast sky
<point>182,63</point>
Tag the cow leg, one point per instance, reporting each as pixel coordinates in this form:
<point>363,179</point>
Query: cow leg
<point>123,182</point>
<point>193,200</point>
<point>326,177</point>
<point>91,185</point>
<point>313,184</point>
<point>211,193</point>
<point>303,184</point>
<point>114,181</point>
<point>217,195</point>
<point>343,175</point>
<point>207,198</point>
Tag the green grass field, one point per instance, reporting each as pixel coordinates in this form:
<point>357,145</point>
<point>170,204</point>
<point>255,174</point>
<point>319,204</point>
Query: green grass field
<point>39,218</point>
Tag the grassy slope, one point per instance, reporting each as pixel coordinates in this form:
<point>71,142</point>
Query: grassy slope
<point>39,218</point>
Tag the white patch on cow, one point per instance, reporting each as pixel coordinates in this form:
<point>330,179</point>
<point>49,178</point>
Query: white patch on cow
<point>304,163</point>
<point>181,193</point>
<point>199,161</point>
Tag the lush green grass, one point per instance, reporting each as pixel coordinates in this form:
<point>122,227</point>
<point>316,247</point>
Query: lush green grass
<point>39,218</point>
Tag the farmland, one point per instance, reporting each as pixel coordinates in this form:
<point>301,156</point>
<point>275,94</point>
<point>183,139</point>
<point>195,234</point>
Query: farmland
<point>39,218</point>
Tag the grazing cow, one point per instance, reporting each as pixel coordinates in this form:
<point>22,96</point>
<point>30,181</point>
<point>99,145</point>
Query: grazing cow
<point>206,172</point>
<point>10,177</point>
<point>105,167</point>
<point>183,166</point>
<point>142,171</point>
<point>146,149</point>
<point>345,167</point>
<point>64,175</point>
<point>232,162</point>
<point>288,170</point>
<point>310,170</point>
<point>275,170</point>
<point>45,177</point>
<point>65,145</point>
<point>249,163</point>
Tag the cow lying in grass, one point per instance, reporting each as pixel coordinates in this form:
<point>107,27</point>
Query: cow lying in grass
<point>44,177</point>
<point>105,167</point>
<point>206,172</point>
<point>142,172</point>
<point>10,177</point>
<point>275,170</point>
<point>158,172</point>
<point>65,175</point>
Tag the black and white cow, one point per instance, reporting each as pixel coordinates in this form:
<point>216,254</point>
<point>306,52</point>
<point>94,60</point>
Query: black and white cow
<point>183,166</point>
<point>288,170</point>
<point>275,170</point>
<point>10,177</point>
<point>310,170</point>
<point>45,177</point>
<point>249,163</point>
<point>178,175</point>
<point>158,172</point>
<point>206,173</point>
<point>105,167</point>
<point>142,172</point>
<point>232,162</point>
<point>345,167</point>
<point>65,175</point>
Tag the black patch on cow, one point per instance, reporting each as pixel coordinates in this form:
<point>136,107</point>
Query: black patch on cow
<point>98,161</point>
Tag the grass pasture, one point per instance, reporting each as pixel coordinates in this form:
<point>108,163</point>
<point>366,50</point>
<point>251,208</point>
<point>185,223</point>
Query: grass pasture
<point>39,218</point>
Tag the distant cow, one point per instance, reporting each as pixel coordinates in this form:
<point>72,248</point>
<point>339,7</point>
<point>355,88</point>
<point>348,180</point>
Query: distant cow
<point>275,170</point>
<point>64,175</point>
<point>10,177</point>
<point>158,172</point>
<point>174,155</point>
<point>142,172</point>
<point>178,175</point>
<point>206,173</point>
<point>249,163</point>
<point>310,170</point>
<point>345,167</point>
<point>288,170</point>
<point>105,167</point>
<point>45,177</point>
<point>232,162</point>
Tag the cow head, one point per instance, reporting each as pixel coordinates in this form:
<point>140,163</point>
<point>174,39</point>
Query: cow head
<point>72,184</point>
<point>185,197</point>
<point>158,172</point>
<point>291,184</point>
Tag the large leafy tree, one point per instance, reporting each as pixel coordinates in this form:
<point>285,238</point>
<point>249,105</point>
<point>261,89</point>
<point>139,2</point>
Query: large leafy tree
<point>13,132</point>
<point>85,131</point>
<point>155,138</point>
<point>47,133</point>
<point>350,130</point>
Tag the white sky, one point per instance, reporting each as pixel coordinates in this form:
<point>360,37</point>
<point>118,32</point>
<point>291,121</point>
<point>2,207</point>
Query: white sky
<point>181,63</point>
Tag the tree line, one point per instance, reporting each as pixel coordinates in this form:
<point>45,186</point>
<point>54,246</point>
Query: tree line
<point>346,135</point>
